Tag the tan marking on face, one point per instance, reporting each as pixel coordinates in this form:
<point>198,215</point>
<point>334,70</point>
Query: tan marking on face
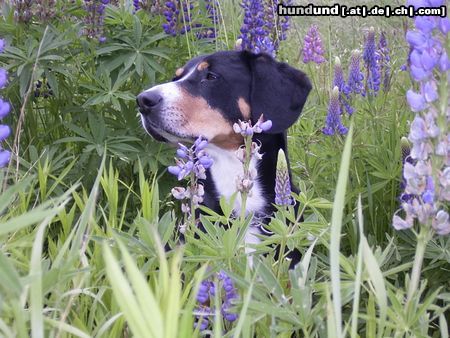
<point>202,119</point>
<point>244,107</point>
<point>203,65</point>
<point>179,71</point>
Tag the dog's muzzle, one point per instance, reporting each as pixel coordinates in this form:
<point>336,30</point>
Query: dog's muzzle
<point>149,102</point>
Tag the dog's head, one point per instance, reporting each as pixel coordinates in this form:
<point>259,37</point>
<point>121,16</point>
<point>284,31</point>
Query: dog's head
<point>212,92</point>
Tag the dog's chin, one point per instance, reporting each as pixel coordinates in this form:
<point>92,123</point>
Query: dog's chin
<point>162,135</point>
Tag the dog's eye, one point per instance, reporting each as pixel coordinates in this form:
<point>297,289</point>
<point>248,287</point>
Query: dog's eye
<point>211,76</point>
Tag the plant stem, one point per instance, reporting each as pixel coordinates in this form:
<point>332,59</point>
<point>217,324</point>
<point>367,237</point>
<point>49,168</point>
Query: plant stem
<point>18,132</point>
<point>422,240</point>
<point>244,195</point>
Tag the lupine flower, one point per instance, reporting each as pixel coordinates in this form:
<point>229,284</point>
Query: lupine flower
<point>191,163</point>
<point>2,45</point>
<point>355,76</point>
<point>339,81</point>
<point>406,158</point>
<point>333,122</point>
<point>178,17</point>
<point>5,108</point>
<point>262,29</point>
<point>253,30</point>
<point>45,9</point>
<point>205,298</point>
<point>371,61</point>
<point>427,176</point>
<point>244,182</point>
<point>136,5</point>
<point>282,181</point>
<point>313,50</point>
<point>212,7</point>
<point>22,10</point>
<point>276,26</point>
<point>246,129</point>
<point>94,20</point>
<point>3,78</point>
<point>42,89</point>
<point>384,60</point>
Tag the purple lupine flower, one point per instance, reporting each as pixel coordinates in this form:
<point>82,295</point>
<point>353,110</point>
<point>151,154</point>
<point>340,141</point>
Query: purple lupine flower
<point>5,108</point>
<point>282,181</point>
<point>276,26</point>
<point>205,296</point>
<point>313,50</point>
<point>22,10</point>
<point>246,129</point>
<point>178,14</point>
<point>339,81</point>
<point>253,29</point>
<point>371,61</point>
<point>406,158</point>
<point>425,176</point>
<point>230,295</point>
<point>333,122</point>
<point>262,29</point>
<point>136,5</point>
<point>191,163</point>
<point>244,182</point>
<point>45,9</point>
<point>3,78</point>
<point>384,60</point>
<point>2,45</point>
<point>355,76</point>
<point>95,18</point>
<point>212,7</point>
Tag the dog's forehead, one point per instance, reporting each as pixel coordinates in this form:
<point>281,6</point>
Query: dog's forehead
<point>190,66</point>
<point>224,62</point>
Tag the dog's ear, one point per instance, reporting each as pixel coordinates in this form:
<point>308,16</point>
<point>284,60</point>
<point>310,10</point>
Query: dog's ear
<point>278,91</point>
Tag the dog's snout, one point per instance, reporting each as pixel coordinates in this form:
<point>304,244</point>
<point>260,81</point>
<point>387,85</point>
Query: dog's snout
<point>149,100</point>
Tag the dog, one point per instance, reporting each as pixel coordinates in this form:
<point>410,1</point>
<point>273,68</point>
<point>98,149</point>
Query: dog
<point>211,93</point>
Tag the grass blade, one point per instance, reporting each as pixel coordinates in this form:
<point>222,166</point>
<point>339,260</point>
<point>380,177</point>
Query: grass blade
<point>336,225</point>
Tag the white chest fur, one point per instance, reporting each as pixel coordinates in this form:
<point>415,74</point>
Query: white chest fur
<point>225,171</point>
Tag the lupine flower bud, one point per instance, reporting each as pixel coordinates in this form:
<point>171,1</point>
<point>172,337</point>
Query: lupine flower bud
<point>179,193</point>
<point>282,181</point>
<point>371,60</point>
<point>339,81</point>
<point>95,18</point>
<point>355,76</point>
<point>384,59</point>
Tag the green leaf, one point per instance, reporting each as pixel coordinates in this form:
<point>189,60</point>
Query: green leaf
<point>335,232</point>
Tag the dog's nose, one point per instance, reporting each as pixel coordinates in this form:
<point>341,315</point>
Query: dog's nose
<point>148,100</point>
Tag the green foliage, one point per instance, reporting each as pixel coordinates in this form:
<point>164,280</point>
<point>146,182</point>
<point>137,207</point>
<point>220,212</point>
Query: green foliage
<point>85,221</point>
